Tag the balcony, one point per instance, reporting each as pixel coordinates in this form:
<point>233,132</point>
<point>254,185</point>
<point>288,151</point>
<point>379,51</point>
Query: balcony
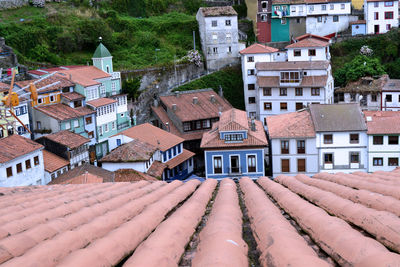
<point>123,126</point>
<point>115,75</point>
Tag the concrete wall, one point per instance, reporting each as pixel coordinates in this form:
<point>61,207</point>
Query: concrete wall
<point>358,29</point>
<point>297,27</point>
<point>369,15</point>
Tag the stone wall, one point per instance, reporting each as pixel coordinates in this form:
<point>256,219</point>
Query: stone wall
<point>9,4</point>
<point>157,81</point>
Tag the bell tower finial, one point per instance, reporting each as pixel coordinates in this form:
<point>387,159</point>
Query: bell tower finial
<point>100,39</point>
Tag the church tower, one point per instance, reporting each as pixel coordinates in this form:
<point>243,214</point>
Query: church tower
<point>102,59</point>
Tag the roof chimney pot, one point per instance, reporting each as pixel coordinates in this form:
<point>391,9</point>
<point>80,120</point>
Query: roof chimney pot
<point>195,100</point>
<point>174,107</point>
<point>212,98</point>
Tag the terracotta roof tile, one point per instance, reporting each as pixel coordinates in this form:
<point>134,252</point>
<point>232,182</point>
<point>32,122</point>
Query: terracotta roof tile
<point>392,85</point>
<point>130,175</point>
<point>364,84</point>
<point>63,112</point>
<point>101,102</point>
<point>218,11</point>
<point>382,122</point>
<point>85,178</point>
<point>73,96</point>
<point>156,169</point>
<point>358,22</point>
<point>205,108</point>
<point>15,146</point>
<point>107,176</point>
<point>185,155</point>
<point>53,162</point>
<point>62,83</point>
<point>84,75</point>
<point>258,49</point>
<point>293,65</point>
<point>68,139</point>
<point>4,87</point>
<point>309,42</point>
<point>133,151</point>
<point>291,125</point>
<point>153,136</point>
<point>273,81</point>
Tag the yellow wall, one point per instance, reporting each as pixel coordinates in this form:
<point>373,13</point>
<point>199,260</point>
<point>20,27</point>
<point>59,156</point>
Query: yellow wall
<point>3,123</point>
<point>252,12</point>
<point>46,99</point>
<point>357,4</point>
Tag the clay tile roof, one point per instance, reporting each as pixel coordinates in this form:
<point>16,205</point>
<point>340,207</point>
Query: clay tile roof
<point>185,155</point>
<point>107,176</point>
<point>62,83</point>
<point>4,87</point>
<point>268,81</point>
<point>130,175</point>
<point>85,178</point>
<point>84,75</point>
<point>258,49</point>
<point>337,117</point>
<point>291,125</point>
<point>14,146</point>
<point>53,162</point>
<point>364,84</point>
<point>233,120</point>
<point>133,151</point>
<point>358,22</point>
<point>309,40</point>
<point>392,85</point>
<point>382,122</point>
<point>273,81</point>
<point>205,108</point>
<point>63,112</point>
<point>218,11</point>
<point>71,96</point>
<point>293,65</point>
<point>156,169</point>
<point>153,136</point>
<point>101,102</point>
<point>68,139</point>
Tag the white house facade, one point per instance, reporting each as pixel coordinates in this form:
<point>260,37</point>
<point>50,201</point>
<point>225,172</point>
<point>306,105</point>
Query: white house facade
<point>381,16</point>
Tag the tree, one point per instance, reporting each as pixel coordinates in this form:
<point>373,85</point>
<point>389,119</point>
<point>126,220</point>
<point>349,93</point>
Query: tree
<point>359,67</point>
<point>131,87</point>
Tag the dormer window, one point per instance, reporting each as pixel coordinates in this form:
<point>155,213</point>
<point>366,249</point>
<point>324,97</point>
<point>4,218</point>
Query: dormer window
<point>233,137</point>
<point>264,4</point>
<point>290,77</point>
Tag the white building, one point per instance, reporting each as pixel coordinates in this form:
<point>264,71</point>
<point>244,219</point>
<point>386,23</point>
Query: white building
<point>391,95</point>
<point>21,162</point>
<point>383,140</point>
<point>381,16</point>
<point>218,27</point>
<point>54,166</point>
<point>341,137</point>
<point>21,111</point>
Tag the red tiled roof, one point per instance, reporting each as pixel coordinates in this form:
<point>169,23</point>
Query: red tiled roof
<point>101,102</point>
<point>133,151</point>
<point>63,112</point>
<point>85,75</point>
<point>153,136</point>
<point>185,155</point>
<point>382,122</point>
<point>273,81</point>
<point>107,176</point>
<point>291,125</point>
<point>293,65</point>
<point>258,49</point>
<point>130,175</point>
<point>358,22</point>
<point>4,87</point>
<point>232,120</point>
<point>62,83</point>
<point>205,108</point>
<point>68,139</point>
<point>309,40</point>
<point>218,11</point>
<point>309,35</point>
<point>73,96</point>
<point>156,169</point>
<point>53,162</point>
<point>85,178</point>
<point>14,146</point>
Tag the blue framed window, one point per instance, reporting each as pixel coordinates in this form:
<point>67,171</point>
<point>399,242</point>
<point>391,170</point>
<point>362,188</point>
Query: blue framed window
<point>118,142</point>
<point>164,156</point>
<point>179,149</point>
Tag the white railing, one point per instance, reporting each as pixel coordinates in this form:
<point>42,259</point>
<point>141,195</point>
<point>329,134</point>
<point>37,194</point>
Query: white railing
<point>116,75</point>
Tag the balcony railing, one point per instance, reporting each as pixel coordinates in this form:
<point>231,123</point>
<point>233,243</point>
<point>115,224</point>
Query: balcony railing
<point>116,75</point>
<point>122,126</point>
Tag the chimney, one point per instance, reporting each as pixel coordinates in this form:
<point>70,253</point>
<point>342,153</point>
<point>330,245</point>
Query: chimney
<point>167,126</point>
<point>219,111</point>
<point>253,125</point>
<point>173,107</point>
<point>176,94</point>
<point>212,98</point>
<point>195,100</point>
<point>221,93</point>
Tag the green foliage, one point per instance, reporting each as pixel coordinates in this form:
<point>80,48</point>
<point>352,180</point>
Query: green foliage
<point>359,67</point>
<point>241,10</point>
<point>131,87</point>
<point>230,79</point>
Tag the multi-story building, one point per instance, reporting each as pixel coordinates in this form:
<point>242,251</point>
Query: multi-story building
<point>390,99</point>
<point>234,147</point>
<point>383,140</point>
<point>21,162</point>
<point>380,16</point>
<point>218,27</point>
<point>54,166</point>
<point>263,20</point>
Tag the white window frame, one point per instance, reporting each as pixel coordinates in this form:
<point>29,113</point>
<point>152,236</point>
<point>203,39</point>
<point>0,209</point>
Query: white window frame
<point>76,123</point>
<point>222,164</point>
<point>106,127</point>
<point>68,125</point>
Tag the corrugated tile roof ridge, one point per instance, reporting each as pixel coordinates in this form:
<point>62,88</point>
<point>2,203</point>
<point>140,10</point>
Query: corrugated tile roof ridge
<point>131,233</point>
<point>119,208</point>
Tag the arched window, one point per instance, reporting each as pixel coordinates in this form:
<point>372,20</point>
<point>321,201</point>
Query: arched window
<point>108,69</point>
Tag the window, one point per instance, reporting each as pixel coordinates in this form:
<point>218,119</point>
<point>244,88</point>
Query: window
<point>68,125</point>
<point>263,18</point>
<point>319,19</point>
<point>100,130</point>
<point>376,15</point>
<point>264,4</point>
<point>328,158</point>
<point>373,98</point>
<point>328,139</point>
<point>90,135</point>
<point>332,6</point>
<point>38,125</point>
<point>388,27</point>
<point>19,167</point>
<point>377,161</point>
<point>214,36</point>
<point>311,8</point>
<point>186,126</point>
<point>301,165</point>
<point>250,59</point>
<point>113,125</point>
<point>297,20</point>
<point>301,146</point>
<point>389,15</point>
<point>293,9</point>
<point>76,123</point>
<point>376,4</point>
<point>311,52</point>
<point>233,137</point>
<point>335,18</point>
<point>290,77</point>
<point>52,98</point>
<point>88,120</point>
<point>169,153</point>
<point>393,161</point>
<point>251,86</point>
<point>354,139</point>
<point>266,91</point>
<point>297,53</point>
<point>36,160</point>
<point>283,91</point>
<point>388,98</point>
<point>283,106</point>
<point>206,124</point>
<point>252,114</point>
<point>40,100</point>
<point>228,22</point>
<point>315,91</point>
<point>388,3</point>
<point>299,91</point>
<point>393,140</point>
<point>214,23</point>
<point>285,167</point>
<point>198,124</point>
<point>267,105</point>
<point>9,172</point>
<point>215,50</point>
<point>106,127</point>
<point>27,164</point>
<point>342,6</point>
<point>284,147</point>
<point>252,100</point>
<point>179,149</point>
<point>229,49</point>
<point>323,7</point>
<point>299,105</point>
<point>217,165</point>
<point>250,72</point>
<point>354,157</point>
<point>377,140</point>
<point>251,163</point>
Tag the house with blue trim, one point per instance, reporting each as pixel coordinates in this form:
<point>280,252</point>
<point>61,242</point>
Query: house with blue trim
<point>234,147</point>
